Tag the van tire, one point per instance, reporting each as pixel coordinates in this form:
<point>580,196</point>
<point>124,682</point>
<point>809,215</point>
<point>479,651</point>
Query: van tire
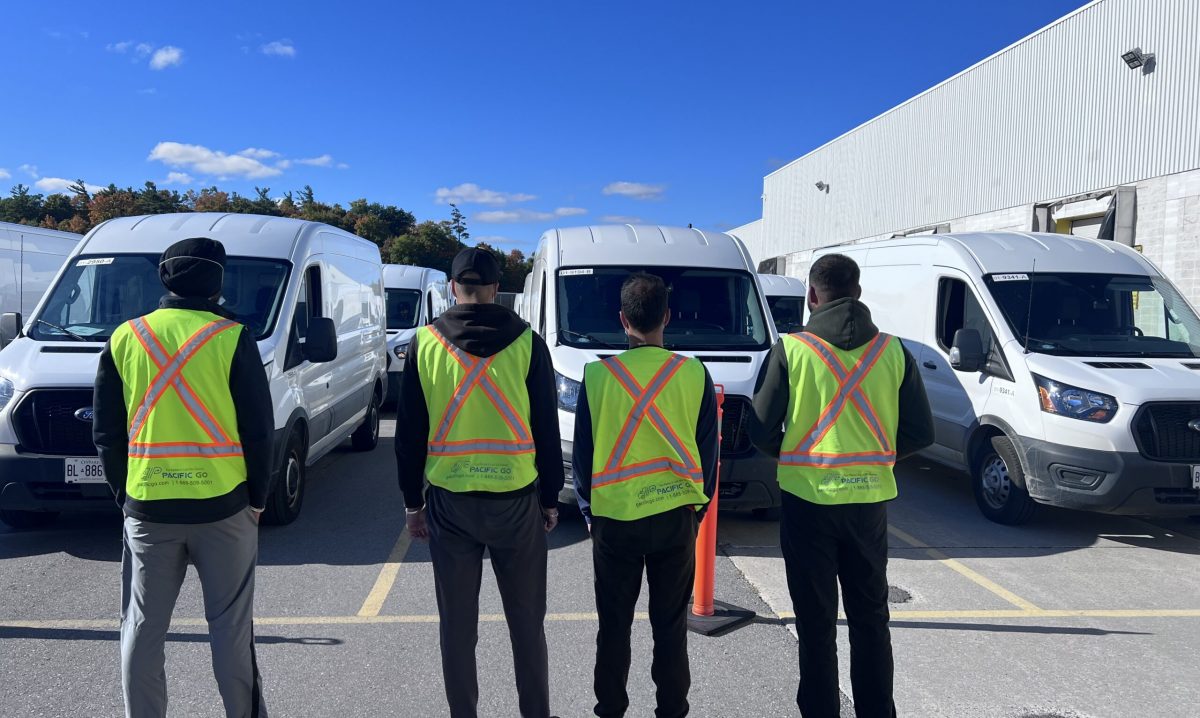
<point>998,482</point>
<point>287,497</point>
<point>366,436</point>
<point>26,520</point>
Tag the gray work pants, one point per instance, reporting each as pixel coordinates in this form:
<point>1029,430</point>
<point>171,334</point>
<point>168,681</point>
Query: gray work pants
<point>152,569</point>
<point>512,531</point>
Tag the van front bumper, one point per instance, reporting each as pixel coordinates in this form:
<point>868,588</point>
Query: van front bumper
<point>1110,482</point>
<point>35,483</point>
<point>747,481</point>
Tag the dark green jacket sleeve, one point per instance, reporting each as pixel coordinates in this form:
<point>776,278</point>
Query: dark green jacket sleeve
<point>771,395</point>
<point>251,391</point>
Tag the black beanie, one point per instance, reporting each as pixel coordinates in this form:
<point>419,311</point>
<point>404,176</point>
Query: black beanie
<point>193,267</point>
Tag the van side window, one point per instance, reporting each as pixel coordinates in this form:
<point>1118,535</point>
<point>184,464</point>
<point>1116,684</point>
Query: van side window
<point>542,308</point>
<point>429,307</point>
<point>959,309</point>
<point>308,306</point>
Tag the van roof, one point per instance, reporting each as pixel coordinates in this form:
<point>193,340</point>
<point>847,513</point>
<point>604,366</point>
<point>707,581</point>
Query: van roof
<point>406,276</point>
<point>1011,252</point>
<point>778,285</point>
<point>242,234</point>
<point>26,229</point>
<point>645,244</point>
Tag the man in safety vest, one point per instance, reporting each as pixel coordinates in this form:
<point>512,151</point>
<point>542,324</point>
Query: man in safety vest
<point>838,403</point>
<point>478,421</point>
<point>645,464</point>
<point>191,469</point>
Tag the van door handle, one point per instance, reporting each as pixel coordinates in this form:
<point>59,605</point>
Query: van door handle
<point>929,365</point>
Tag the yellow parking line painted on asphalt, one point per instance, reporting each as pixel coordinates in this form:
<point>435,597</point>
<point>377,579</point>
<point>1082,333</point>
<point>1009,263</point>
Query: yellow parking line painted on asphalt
<point>387,577</point>
<point>1038,613</point>
<point>970,574</point>
<point>112,624</point>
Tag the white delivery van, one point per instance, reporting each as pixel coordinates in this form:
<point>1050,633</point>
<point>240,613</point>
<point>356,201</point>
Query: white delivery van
<point>526,297</point>
<point>718,315</point>
<point>415,297</point>
<point>311,294</point>
<point>1060,370</point>
<point>29,259</point>
<point>787,298</point>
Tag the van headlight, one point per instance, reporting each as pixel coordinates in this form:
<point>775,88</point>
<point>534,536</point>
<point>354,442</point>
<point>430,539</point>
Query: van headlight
<point>7,390</point>
<point>1073,402</point>
<point>401,352</point>
<point>568,392</point>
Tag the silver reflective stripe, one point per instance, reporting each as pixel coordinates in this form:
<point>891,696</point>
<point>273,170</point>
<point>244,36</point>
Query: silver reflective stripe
<point>150,451</point>
<point>160,358</point>
<point>498,400</point>
<point>834,410</point>
<point>460,396</point>
<point>476,374</point>
<point>800,459</point>
<point>857,396</point>
<point>629,472</point>
<point>642,404</point>
<point>661,424</point>
<point>482,446</point>
<point>151,342</point>
<point>166,375</point>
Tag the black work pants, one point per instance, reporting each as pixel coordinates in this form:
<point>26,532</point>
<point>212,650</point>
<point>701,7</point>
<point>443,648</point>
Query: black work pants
<point>665,545</point>
<point>822,545</point>
<point>513,532</point>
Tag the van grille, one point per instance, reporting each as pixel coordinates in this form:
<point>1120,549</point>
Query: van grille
<point>735,426</point>
<point>45,423</point>
<point>1162,433</point>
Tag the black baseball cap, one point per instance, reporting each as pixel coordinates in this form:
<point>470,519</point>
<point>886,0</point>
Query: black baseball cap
<point>479,261</point>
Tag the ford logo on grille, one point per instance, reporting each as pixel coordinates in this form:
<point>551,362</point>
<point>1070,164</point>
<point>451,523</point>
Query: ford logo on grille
<point>85,414</point>
<point>1194,424</point>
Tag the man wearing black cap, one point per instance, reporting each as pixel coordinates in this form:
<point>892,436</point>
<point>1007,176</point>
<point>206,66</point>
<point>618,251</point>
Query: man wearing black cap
<point>191,469</point>
<point>480,424</point>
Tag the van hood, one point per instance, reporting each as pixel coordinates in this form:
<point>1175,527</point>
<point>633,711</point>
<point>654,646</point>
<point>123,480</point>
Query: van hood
<point>29,364</point>
<point>1132,380</point>
<point>400,337</point>
<point>735,371</point>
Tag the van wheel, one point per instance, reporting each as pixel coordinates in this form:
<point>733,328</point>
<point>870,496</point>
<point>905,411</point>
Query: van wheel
<point>283,505</point>
<point>25,520</point>
<point>366,436</point>
<point>998,481</point>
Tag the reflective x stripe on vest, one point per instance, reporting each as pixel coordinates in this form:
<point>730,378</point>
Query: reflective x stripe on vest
<point>189,448</point>
<point>650,465</point>
<point>481,441</point>
<point>843,441</point>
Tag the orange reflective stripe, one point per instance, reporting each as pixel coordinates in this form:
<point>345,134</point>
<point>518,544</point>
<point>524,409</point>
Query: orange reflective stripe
<point>191,403</point>
<point>643,403</point>
<point>840,370</point>
<point>633,471</point>
<point>848,384</point>
<point>477,376</point>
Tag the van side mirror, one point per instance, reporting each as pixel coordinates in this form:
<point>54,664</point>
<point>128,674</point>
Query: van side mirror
<point>10,328</point>
<point>966,354</point>
<point>320,343</point>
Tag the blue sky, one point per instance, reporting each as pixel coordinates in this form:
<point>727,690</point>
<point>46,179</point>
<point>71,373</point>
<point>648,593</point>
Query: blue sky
<point>530,114</point>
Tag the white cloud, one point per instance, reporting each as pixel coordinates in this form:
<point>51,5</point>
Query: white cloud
<point>279,48</point>
<point>284,164</point>
<point>636,190</point>
<point>51,185</point>
<point>164,57</point>
<point>209,162</point>
<point>4,174</point>
<point>119,47</point>
<point>494,239</point>
<point>322,161</point>
<point>258,153</point>
<point>471,193</point>
<point>621,219</point>
<point>569,211</point>
<point>30,170</point>
<point>343,166</point>
<point>510,216</point>
<point>143,49</point>
<point>178,178</point>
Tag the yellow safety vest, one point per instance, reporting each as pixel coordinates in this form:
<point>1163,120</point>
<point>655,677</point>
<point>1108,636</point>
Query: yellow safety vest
<point>479,438</point>
<point>843,412</point>
<point>644,406</point>
<point>183,437</point>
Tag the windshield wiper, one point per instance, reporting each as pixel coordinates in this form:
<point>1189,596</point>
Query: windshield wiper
<point>589,338</point>
<point>64,330</point>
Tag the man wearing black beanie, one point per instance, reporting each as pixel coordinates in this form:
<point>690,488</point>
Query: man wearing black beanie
<point>190,468</point>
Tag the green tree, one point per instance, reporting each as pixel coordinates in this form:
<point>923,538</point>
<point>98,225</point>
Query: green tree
<point>112,202</point>
<point>430,244</point>
<point>152,200</point>
<point>21,206</point>
<point>516,266</point>
<point>211,199</point>
<point>458,224</point>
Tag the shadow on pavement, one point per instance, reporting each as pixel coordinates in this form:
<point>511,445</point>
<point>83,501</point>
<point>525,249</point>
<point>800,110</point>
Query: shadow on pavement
<point>984,627</point>
<point>87,634</point>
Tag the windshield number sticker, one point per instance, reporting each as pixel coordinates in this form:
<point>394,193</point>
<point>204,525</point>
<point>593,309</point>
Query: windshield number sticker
<point>95,261</point>
<point>573,272</point>
<point>1010,277</point>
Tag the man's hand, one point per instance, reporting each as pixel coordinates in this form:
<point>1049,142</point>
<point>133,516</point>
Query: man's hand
<point>256,514</point>
<point>418,526</point>
<point>549,518</point>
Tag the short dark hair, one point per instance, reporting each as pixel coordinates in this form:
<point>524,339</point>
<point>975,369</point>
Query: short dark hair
<point>644,301</point>
<point>834,276</point>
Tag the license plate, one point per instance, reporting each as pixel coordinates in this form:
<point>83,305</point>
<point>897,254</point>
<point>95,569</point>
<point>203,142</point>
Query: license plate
<point>83,471</point>
<point>1196,477</point>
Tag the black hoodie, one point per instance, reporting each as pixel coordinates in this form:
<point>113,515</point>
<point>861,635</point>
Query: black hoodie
<point>846,324</point>
<point>481,330</point>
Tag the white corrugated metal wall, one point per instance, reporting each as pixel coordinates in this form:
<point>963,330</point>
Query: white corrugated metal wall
<point>1006,132</point>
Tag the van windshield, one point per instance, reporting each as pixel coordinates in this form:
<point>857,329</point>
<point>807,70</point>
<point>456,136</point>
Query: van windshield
<point>98,294</point>
<point>403,308</point>
<point>1097,315</point>
<point>788,313</point>
<point>711,309</point>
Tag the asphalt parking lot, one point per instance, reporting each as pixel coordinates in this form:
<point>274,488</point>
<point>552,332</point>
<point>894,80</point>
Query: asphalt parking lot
<point>1072,615</point>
